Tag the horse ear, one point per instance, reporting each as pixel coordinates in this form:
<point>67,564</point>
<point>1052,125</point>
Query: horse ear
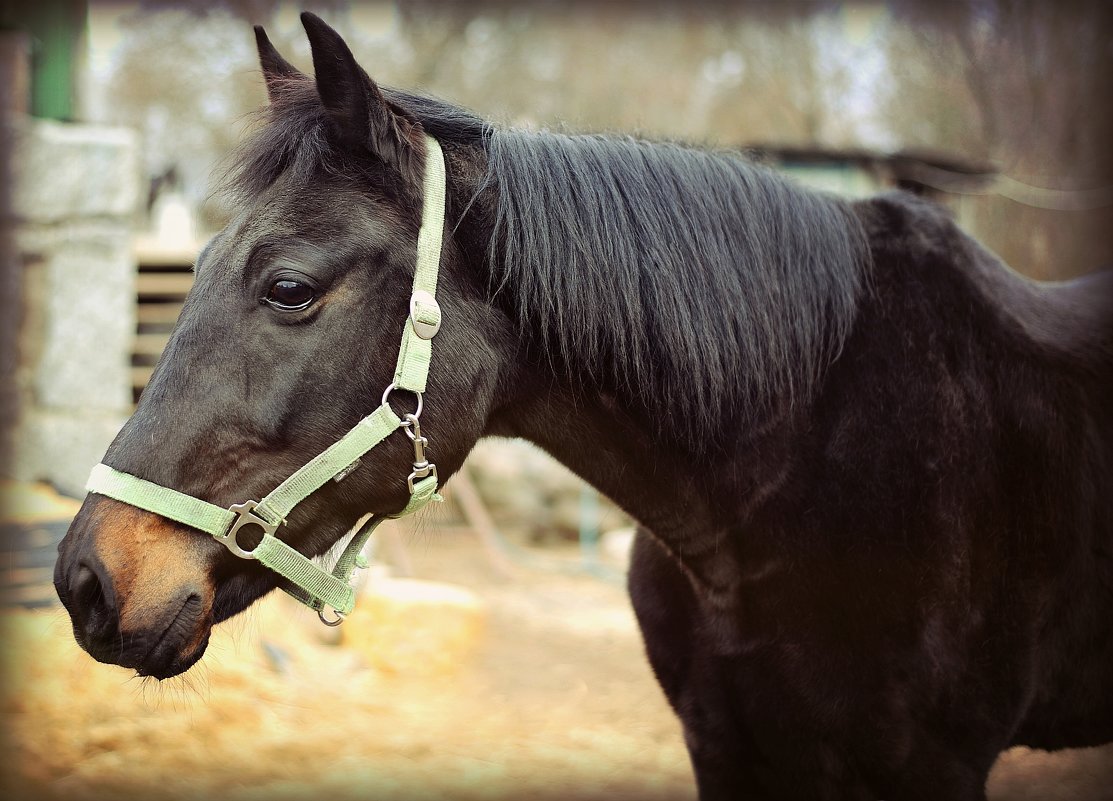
<point>276,70</point>
<point>361,114</point>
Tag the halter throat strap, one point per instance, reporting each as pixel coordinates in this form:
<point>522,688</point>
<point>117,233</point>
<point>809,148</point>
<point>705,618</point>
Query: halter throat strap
<point>304,579</point>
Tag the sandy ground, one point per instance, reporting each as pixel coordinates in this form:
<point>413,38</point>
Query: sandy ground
<point>554,701</point>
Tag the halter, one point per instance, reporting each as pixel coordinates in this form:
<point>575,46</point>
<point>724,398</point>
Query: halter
<point>309,583</point>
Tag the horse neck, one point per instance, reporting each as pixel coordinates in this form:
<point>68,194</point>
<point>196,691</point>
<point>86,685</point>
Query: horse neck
<point>676,485</point>
<point>692,501</point>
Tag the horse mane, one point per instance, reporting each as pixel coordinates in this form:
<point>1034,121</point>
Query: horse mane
<point>703,285</point>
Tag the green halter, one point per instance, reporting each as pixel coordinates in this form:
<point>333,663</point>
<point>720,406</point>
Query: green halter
<point>308,582</point>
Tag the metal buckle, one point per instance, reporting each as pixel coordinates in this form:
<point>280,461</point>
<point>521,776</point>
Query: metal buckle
<point>423,329</point>
<point>333,623</point>
<point>247,517</point>
<point>420,472</point>
<point>422,467</point>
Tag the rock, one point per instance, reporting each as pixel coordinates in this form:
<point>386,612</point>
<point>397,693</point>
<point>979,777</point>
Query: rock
<point>34,503</point>
<point>33,519</point>
<point>82,281</point>
<point>414,627</point>
<point>527,490</point>
<point>62,447</point>
<point>74,192</point>
<point>61,171</point>
<point>616,545</point>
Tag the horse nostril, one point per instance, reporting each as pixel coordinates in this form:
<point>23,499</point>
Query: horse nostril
<point>86,589</point>
<point>93,610</point>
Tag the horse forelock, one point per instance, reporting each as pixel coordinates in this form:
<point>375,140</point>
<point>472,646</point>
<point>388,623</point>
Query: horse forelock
<point>294,135</point>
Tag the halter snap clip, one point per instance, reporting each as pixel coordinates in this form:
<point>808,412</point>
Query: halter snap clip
<point>422,467</point>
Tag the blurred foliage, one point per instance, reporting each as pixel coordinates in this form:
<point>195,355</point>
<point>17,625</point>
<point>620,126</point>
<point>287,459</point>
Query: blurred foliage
<point>1024,82</point>
<point>1021,83</point>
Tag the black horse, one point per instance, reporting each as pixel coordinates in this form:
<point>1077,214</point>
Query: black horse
<point>874,467</point>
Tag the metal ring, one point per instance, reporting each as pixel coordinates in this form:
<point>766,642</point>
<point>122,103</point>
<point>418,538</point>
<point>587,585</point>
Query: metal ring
<point>420,400</point>
<point>331,623</point>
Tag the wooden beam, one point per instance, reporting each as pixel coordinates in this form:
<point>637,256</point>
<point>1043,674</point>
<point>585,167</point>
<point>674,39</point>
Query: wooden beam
<point>163,284</point>
<point>149,344</point>
<point>464,493</point>
<point>157,313</point>
<point>140,376</point>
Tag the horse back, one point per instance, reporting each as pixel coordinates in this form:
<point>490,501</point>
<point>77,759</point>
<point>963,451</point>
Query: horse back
<point>1016,383</point>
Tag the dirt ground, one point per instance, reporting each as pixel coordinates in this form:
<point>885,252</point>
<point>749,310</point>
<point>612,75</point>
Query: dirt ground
<point>554,701</point>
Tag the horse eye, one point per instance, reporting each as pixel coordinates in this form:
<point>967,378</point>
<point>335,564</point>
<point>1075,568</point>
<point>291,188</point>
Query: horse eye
<point>289,295</point>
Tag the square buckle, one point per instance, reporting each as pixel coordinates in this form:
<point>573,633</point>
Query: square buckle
<point>424,471</point>
<point>247,517</point>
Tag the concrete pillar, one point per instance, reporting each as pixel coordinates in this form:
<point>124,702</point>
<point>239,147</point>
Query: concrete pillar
<point>72,203</point>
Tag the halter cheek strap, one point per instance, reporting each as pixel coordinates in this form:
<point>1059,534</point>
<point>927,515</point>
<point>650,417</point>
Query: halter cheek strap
<point>309,583</point>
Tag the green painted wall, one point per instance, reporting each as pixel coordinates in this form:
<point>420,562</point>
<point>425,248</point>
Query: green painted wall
<point>56,28</point>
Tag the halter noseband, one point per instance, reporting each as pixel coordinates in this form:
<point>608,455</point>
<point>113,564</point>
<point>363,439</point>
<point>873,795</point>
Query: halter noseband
<point>309,583</point>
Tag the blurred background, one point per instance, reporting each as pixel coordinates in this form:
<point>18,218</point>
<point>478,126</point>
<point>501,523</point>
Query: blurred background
<point>493,653</point>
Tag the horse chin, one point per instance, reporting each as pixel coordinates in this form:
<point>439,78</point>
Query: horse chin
<point>182,643</point>
<point>239,592</point>
<point>186,639</point>
<point>160,667</point>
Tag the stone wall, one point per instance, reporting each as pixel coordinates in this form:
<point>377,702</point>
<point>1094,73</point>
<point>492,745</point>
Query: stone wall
<point>72,200</point>
<point>533,497</point>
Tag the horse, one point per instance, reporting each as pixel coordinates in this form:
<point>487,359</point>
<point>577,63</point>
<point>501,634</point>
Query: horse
<point>871,465</point>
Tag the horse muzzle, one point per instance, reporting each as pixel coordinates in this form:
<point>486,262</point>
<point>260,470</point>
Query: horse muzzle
<point>138,588</point>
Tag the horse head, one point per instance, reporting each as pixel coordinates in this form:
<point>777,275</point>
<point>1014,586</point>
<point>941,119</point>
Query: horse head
<point>287,339</point>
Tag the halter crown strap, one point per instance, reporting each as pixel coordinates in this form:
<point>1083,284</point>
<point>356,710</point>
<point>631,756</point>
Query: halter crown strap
<point>308,582</point>
<point>425,314</point>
